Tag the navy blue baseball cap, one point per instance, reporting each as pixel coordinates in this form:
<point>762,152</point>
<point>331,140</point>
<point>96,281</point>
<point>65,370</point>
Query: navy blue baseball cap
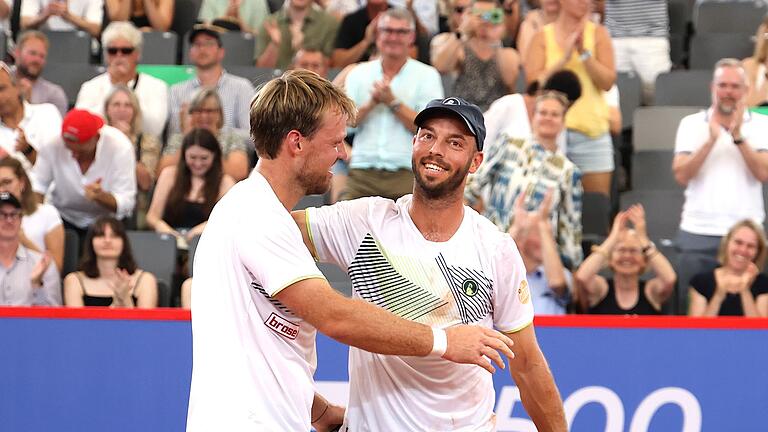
<point>468,112</point>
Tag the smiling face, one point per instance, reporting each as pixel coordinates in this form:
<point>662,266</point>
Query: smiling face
<point>741,249</point>
<point>324,148</point>
<point>120,108</point>
<point>548,119</point>
<point>394,37</point>
<point>627,257</point>
<point>10,183</point>
<point>9,95</point>
<point>199,160</point>
<point>444,152</point>
<point>208,116</point>
<point>31,57</point>
<point>576,8</point>
<point>728,89</point>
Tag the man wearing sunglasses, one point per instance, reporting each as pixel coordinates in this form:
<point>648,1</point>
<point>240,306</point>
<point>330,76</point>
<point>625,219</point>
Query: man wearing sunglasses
<point>122,44</point>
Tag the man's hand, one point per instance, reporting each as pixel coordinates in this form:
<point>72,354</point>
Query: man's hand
<point>36,276</point>
<point>370,31</point>
<point>58,8</point>
<point>297,35</point>
<point>738,119</point>
<point>471,344</point>
<point>330,420</point>
<point>714,129</point>
<point>123,126</point>
<point>233,9</point>
<point>273,31</point>
<point>93,190</point>
<point>25,87</point>
<point>382,92</point>
<point>21,141</point>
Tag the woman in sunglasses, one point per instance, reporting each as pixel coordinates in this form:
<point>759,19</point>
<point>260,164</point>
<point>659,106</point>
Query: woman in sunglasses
<point>484,70</point>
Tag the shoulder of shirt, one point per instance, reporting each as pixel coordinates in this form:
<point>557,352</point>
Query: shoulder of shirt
<point>114,136</point>
<point>484,227</point>
<point>153,80</point>
<point>236,79</point>
<point>46,108</point>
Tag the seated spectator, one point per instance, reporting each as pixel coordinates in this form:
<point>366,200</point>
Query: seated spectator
<point>122,44</point>
<point>56,15</point>
<point>31,53</point>
<point>206,53</point>
<point>186,193</point>
<point>356,37</point>
<point>24,127</point>
<point>41,223</point>
<point>27,277</point>
<point>123,112</point>
<point>534,21</point>
<point>295,25</point>
<point>756,68</point>
<point>573,42</point>
<point>186,294</point>
<point>457,9</point>
<point>550,283</point>
<point>627,252</point>
<point>531,167</point>
<point>736,287</point>
<point>146,15</point>
<point>107,274</point>
<point>313,60</point>
<point>89,171</point>
<point>248,15</point>
<point>205,112</point>
<point>485,71</point>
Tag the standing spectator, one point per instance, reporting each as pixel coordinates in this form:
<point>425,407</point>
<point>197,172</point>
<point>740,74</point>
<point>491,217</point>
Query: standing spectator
<point>89,171</point>
<point>721,157</point>
<point>27,278</point>
<point>550,283</point>
<point>41,223</point>
<point>456,12</point>
<point>531,167</point>
<point>756,69</point>
<point>640,33</point>
<point>146,15</point>
<point>511,21</point>
<point>388,93</point>
<point>186,193</point>
<point>627,252</point>
<point>295,25</point>
<point>108,274</point>
<point>57,15</point>
<point>31,52</point>
<point>206,53</point>
<point>249,15</point>
<point>736,287</point>
<point>534,21</point>
<point>123,112</point>
<point>205,111</point>
<point>356,37</point>
<point>485,71</point>
<point>24,127</point>
<point>575,43</point>
<point>122,49</point>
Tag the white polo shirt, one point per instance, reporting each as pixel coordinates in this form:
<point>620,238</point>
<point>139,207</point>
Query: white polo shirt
<point>724,191</point>
<point>90,10</point>
<point>252,358</point>
<point>151,92</point>
<point>41,124</point>
<point>114,164</point>
<point>476,277</point>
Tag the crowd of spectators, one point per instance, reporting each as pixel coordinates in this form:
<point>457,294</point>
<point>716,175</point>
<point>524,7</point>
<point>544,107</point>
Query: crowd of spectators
<point>137,153</point>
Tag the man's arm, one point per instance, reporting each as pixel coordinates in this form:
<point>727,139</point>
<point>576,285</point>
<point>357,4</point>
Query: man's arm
<point>538,391</point>
<point>757,161</point>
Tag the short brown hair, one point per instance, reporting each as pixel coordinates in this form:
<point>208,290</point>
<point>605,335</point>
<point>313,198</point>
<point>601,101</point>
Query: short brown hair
<point>722,252</point>
<point>32,34</point>
<point>297,101</point>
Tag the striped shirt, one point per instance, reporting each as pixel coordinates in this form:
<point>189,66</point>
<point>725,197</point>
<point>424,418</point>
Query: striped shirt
<point>637,18</point>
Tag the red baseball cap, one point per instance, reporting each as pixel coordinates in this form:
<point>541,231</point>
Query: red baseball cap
<point>80,125</point>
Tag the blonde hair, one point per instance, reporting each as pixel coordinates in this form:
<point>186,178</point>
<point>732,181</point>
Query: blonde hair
<point>722,251</point>
<point>202,95</point>
<point>136,120</point>
<point>297,100</point>
<point>761,45</point>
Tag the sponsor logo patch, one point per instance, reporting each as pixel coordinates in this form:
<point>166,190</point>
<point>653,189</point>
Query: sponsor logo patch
<point>469,287</point>
<point>282,326</point>
<point>523,293</point>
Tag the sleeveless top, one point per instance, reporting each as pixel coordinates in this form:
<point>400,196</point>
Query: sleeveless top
<point>589,114</point>
<point>189,215</point>
<point>609,305</point>
<point>140,21</point>
<point>480,82</point>
<point>89,300</point>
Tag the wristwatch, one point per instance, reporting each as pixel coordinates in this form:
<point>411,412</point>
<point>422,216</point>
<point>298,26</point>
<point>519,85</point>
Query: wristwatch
<point>738,141</point>
<point>649,247</point>
<point>586,54</point>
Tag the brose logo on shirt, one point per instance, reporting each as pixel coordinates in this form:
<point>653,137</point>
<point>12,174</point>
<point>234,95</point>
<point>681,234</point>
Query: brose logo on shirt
<point>282,326</point>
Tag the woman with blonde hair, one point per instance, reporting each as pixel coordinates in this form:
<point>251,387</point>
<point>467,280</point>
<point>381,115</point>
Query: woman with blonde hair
<point>756,68</point>
<point>736,287</point>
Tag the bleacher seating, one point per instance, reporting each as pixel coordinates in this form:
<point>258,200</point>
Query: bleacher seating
<point>255,74</point>
<point>655,127</point>
<point>728,17</point>
<point>708,48</point>
<point>683,88</point>
<point>69,47</point>
<point>70,76</point>
<point>71,252</point>
<point>156,253</point>
<point>595,219</point>
<point>240,49</point>
<point>630,94</point>
<point>159,48</point>
<point>652,170</point>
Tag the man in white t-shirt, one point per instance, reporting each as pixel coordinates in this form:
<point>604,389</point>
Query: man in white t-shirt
<point>721,157</point>
<point>258,298</point>
<point>60,15</point>
<point>430,259</point>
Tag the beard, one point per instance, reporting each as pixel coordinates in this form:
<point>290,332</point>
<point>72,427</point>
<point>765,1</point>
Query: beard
<point>445,188</point>
<point>313,181</point>
<point>24,71</point>
<point>726,108</point>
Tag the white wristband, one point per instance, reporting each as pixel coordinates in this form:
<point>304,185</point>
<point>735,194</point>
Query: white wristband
<point>439,342</point>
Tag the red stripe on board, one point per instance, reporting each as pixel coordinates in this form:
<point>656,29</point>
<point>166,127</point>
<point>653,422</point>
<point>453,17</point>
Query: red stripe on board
<point>102,313</point>
<point>577,321</point>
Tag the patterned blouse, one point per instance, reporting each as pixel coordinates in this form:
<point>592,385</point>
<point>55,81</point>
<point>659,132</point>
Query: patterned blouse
<point>516,166</point>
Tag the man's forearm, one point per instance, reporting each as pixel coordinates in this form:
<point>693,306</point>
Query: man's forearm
<point>106,199</point>
<point>540,396</point>
<point>346,56</point>
<point>406,116</point>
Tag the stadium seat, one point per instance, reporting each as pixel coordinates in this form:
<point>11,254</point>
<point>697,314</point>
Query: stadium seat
<point>728,17</point>
<point>155,253</point>
<point>630,96</point>
<point>191,253</point>
<point>256,75</point>
<point>655,128</point>
<point>652,170</point>
<point>159,48</point>
<point>71,76</point>
<point>71,252</point>
<point>677,53</point>
<point>683,88</point>
<point>662,211</point>
<point>595,219</point>
<point>185,14</point>
<point>240,47</point>
<point>708,48</point>
<point>69,47</point>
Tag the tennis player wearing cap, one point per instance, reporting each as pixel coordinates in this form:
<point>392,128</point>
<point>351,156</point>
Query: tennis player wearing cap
<point>430,259</point>
<point>90,169</point>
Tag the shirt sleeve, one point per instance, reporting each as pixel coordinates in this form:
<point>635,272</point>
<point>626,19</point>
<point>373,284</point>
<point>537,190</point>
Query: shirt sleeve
<point>51,217</point>
<point>569,218</point>
<point>122,184</point>
<point>277,258</point>
<point>242,117</point>
<point>31,8</point>
<point>41,175</point>
<point>687,139</point>
<point>337,230</point>
<point>757,137</point>
<point>95,11</point>
<point>513,308</point>
<point>174,107</point>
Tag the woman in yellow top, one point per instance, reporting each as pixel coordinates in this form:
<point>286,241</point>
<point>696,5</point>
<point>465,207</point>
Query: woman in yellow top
<point>575,43</point>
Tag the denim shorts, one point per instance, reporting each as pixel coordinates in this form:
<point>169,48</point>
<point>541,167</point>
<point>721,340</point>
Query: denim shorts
<point>591,155</point>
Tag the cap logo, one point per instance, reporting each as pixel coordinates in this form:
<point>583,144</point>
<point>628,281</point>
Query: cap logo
<point>451,101</point>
